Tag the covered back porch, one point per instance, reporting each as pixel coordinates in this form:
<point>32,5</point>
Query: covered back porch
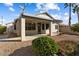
<point>32,27</point>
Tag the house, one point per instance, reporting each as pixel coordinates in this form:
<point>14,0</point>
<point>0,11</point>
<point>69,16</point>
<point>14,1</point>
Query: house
<point>43,23</point>
<point>10,27</point>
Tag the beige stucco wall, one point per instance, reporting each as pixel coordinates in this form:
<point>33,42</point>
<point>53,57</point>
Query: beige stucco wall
<point>10,27</point>
<point>31,32</point>
<point>18,27</point>
<point>53,30</point>
<point>47,31</point>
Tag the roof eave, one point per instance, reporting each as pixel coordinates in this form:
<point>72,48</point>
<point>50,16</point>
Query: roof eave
<point>57,21</point>
<point>53,20</point>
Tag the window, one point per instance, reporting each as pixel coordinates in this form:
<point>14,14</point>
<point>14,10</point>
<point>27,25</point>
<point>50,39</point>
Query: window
<point>30,26</point>
<point>47,26</point>
<point>14,26</point>
<point>33,26</point>
<point>56,26</point>
<point>42,26</point>
<point>26,26</point>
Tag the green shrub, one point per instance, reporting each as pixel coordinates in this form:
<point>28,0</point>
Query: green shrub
<point>44,46</point>
<point>75,27</point>
<point>68,47</point>
<point>2,29</point>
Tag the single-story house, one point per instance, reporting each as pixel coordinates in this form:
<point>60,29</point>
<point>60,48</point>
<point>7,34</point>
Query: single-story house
<point>10,27</point>
<point>43,23</point>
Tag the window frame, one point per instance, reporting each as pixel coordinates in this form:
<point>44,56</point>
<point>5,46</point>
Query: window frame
<point>30,26</point>
<point>56,26</point>
<point>47,26</point>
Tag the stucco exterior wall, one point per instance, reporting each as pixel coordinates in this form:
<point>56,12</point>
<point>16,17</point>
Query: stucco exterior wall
<point>10,27</point>
<point>18,27</point>
<point>47,31</point>
<point>54,31</point>
<point>31,32</point>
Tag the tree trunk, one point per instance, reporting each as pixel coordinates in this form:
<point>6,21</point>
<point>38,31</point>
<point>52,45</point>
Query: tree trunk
<point>70,15</point>
<point>78,16</point>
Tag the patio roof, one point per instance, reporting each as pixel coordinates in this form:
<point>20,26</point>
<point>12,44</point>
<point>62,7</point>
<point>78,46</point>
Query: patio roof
<point>42,18</point>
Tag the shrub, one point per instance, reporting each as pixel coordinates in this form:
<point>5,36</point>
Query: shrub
<point>75,27</point>
<point>68,47</point>
<point>2,29</point>
<point>44,46</point>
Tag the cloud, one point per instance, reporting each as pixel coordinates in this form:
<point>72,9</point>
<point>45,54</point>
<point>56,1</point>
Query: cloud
<point>3,21</point>
<point>73,13</point>
<point>66,14</point>
<point>47,6</point>
<point>52,6</point>
<point>11,9</point>
<point>64,17</point>
<point>61,17</point>
<point>56,16</point>
<point>8,4</point>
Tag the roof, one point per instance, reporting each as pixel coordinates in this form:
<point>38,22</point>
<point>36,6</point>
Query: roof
<point>10,23</point>
<point>44,16</point>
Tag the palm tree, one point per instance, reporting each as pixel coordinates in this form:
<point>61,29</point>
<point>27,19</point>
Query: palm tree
<point>70,9</point>
<point>76,10</point>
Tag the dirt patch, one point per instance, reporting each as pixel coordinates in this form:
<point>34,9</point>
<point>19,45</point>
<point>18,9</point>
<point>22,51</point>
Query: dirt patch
<point>66,37</point>
<point>16,48</point>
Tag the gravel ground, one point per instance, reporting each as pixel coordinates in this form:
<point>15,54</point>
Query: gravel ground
<point>66,37</point>
<point>16,48</point>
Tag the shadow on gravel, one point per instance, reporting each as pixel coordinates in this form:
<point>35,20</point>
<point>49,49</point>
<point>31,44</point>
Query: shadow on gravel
<point>10,40</point>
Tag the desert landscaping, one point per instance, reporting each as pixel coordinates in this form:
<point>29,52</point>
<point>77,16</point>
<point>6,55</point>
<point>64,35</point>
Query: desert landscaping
<point>18,48</point>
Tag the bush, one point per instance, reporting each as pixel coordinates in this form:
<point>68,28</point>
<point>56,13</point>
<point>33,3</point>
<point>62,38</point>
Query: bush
<point>2,29</point>
<point>67,47</point>
<point>75,27</point>
<point>44,46</point>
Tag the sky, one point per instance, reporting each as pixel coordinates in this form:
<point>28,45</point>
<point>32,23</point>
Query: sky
<point>10,11</point>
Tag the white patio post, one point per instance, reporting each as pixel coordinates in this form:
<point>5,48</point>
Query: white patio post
<point>50,29</point>
<point>22,29</point>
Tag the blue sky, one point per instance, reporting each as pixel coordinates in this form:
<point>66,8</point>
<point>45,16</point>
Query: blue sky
<point>10,11</point>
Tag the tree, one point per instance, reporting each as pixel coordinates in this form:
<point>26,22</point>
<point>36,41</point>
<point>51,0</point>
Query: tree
<point>70,9</point>
<point>2,29</point>
<point>76,10</point>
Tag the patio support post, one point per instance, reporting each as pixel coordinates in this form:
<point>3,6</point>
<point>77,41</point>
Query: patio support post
<point>50,29</point>
<point>22,29</point>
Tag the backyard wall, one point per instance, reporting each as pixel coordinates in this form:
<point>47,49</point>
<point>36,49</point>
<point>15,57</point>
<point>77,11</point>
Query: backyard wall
<point>64,28</point>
